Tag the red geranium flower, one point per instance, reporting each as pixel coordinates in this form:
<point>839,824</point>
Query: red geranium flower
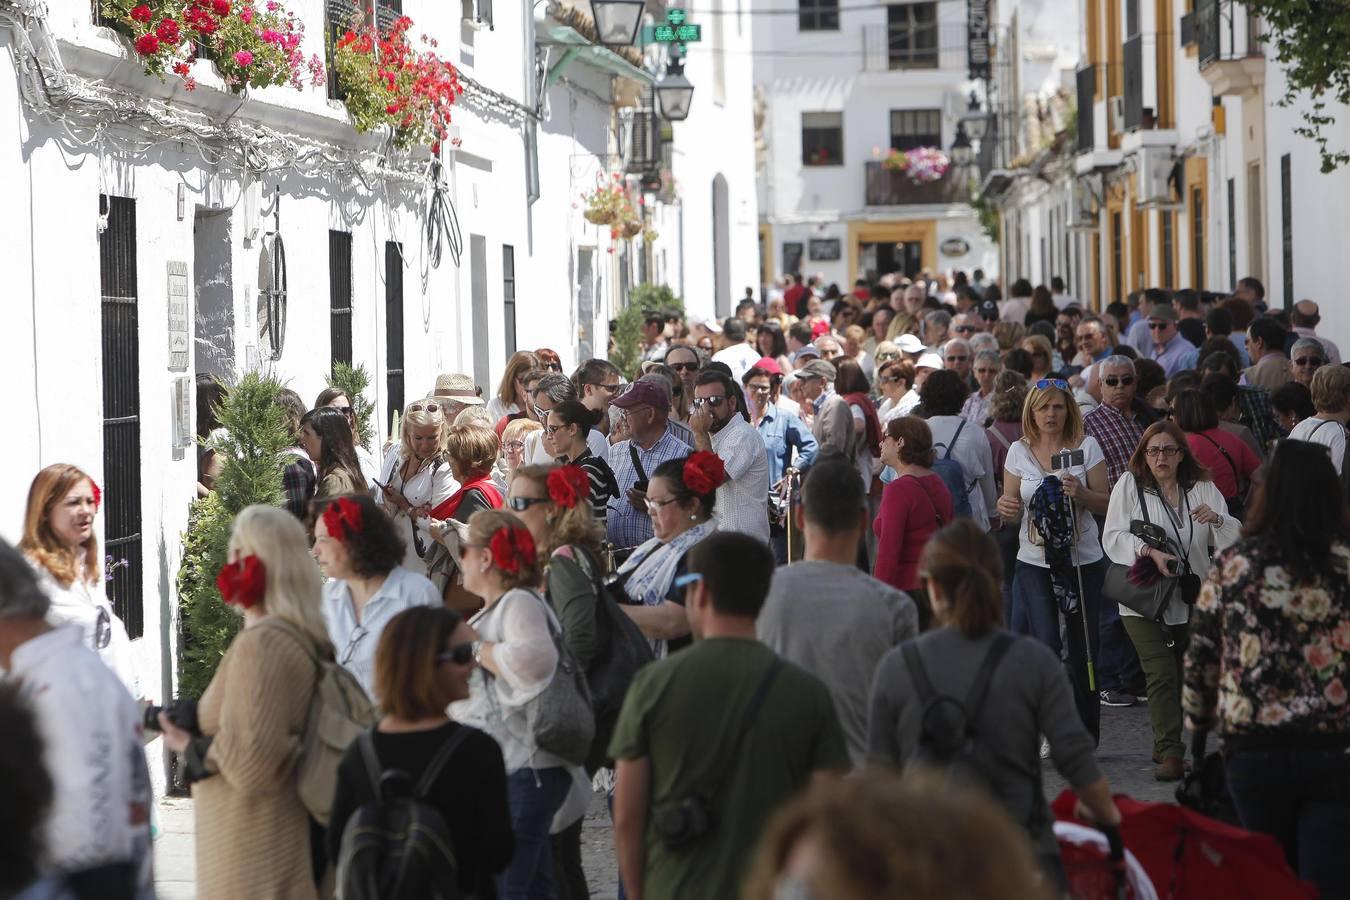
<point>142,13</point>
<point>168,32</point>
<point>704,472</point>
<point>512,549</point>
<point>98,495</point>
<point>242,583</point>
<point>222,7</point>
<point>147,45</point>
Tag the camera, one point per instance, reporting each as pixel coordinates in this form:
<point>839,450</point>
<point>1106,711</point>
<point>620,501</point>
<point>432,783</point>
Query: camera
<point>684,823</point>
<point>181,712</point>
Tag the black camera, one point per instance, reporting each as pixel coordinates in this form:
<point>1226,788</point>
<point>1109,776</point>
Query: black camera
<point>181,712</point>
<point>684,823</point>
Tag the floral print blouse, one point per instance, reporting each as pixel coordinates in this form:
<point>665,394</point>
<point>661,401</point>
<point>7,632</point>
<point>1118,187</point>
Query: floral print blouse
<point>1268,656</point>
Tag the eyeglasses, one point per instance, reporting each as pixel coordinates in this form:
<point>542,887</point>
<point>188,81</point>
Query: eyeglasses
<point>759,388</point>
<point>513,446</point>
<point>655,506</point>
<point>550,430</point>
<point>460,655</point>
<point>357,636</point>
<point>540,412</point>
<point>714,402</point>
<point>1158,326</point>
<point>1168,451</point>
<point>520,504</point>
<point>1308,361</point>
<point>424,407</point>
<point>684,367</point>
<point>1118,380</point>
<point>1051,383</point>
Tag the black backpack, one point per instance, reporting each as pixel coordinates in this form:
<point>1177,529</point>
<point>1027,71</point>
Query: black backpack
<point>398,845</point>
<point>948,738</point>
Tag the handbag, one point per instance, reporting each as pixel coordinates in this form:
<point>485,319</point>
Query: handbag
<point>565,724</point>
<point>1149,602</point>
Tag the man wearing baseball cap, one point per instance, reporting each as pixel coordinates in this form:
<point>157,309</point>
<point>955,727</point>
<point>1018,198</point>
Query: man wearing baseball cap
<point>832,424</point>
<point>1170,350</point>
<point>645,418</point>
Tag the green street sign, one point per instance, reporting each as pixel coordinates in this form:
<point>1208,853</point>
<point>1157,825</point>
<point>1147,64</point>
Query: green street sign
<point>675,30</point>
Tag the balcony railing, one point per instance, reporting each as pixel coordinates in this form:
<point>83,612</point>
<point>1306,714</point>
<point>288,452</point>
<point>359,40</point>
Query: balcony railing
<point>1224,30</point>
<point>1134,83</point>
<point>940,45</point>
<point>1087,89</point>
<point>888,187</point>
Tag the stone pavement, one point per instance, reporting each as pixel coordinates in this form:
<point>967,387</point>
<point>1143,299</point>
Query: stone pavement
<point>1126,744</point>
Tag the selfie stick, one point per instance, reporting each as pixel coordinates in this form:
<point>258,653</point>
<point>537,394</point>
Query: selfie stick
<point>1082,601</point>
<point>787,524</point>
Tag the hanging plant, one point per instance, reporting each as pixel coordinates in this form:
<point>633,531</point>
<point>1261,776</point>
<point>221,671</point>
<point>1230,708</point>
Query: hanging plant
<point>251,46</point>
<point>670,190</point>
<point>609,204</point>
<point>388,82</point>
<point>649,234</point>
<point>923,165</point>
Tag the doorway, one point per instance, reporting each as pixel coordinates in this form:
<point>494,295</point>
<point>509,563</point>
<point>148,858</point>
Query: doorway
<point>877,258</point>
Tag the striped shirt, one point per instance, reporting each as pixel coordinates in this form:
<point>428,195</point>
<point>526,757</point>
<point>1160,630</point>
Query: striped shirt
<point>626,526</point>
<point>603,486</point>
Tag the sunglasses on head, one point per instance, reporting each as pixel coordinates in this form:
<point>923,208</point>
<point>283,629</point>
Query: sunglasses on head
<point>460,655</point>
<point>520,504</point>
<point>1118,380</point>
<point>1052,383</point>
<point>425,407</point>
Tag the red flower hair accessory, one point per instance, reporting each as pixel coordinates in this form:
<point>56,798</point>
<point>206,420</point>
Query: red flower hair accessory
<point>704,472</point>
<point>512,549</point>
<point>568,485</point>
<point>242,583</point>
<point>98,495</point>
<point>342,518</point>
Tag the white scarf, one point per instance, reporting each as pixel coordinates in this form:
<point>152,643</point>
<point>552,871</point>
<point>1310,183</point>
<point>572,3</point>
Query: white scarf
<point>654,563</point>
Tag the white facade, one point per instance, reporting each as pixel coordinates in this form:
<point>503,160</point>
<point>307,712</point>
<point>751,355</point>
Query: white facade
<point>850,71</point>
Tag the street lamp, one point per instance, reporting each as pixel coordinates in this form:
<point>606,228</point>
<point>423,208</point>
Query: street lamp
<point>976,121</point>
<point>617,21</point>
<point>674,92</point>
<point>963,154</point>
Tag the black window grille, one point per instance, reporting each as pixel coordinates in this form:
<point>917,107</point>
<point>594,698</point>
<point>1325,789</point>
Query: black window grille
<point>509,297</point>
<point>1117,259</point>
<point>1168,245</point>
<point>817,15</point>
<point>823,139</point>
<point>1087,88</point>
<point>911,128</point>
<point>340,295</point>
<point>339,15</point>
<point>393,326</point>
<point>645,143</point>
<point>1287,228</point>
<point>912,35</point>
<point>386,11</point>
<point>1232,231</point>
<point>121,409</point>
<point>1198,237</point>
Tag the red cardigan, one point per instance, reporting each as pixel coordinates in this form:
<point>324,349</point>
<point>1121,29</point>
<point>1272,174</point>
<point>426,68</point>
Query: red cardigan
<point>910,509</point>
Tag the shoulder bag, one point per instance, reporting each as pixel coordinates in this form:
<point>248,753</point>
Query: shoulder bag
<point>565,724</point>
<point>1236,505</point>
<point>1151,601</point>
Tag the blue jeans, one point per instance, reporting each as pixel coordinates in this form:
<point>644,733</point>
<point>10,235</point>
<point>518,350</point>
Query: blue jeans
<point>1035,612</point>
<point>534,796</point>
<point>1302,799</point>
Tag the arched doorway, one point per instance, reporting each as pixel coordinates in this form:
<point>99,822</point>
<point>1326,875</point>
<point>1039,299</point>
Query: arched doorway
<point>721,239</point>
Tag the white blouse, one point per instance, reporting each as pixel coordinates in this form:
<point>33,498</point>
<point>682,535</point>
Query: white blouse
<point>84,604</point>
<point>496,409</point>
<point>1124,548</point>
<point>433,483</point>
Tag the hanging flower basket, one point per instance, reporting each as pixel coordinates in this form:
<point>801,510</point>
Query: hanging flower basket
<point>608,204</point>
<point>598,216</point>
<point>923,165</point>
<point>632,229</point>
<point>388,82</point>
<point>251,45</point>
<point>649,234</point>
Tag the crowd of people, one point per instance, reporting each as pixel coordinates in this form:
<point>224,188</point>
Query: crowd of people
<point>726,590</point>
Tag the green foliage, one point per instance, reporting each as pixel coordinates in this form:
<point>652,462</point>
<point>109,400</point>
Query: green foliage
<point>1310,39</point>
<point>627,332</point>
<point>353,383</point>
<point>253,434</point>
<point>988,216</point>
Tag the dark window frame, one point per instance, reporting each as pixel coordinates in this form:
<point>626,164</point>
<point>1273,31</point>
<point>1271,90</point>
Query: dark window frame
<point>912,128</point>
<point>912,35</point>
<point>1168,233</point>
<point>509,298</point>
<point>1287,228</point>
<point>395,383</point>
<point>1198,238</point>
<point>817,15</point>
<point>1117,256</point>
<point>340,297</point>
<point>820,139</point>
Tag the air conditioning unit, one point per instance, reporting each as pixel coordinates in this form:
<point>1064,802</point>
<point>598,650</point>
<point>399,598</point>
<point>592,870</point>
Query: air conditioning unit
<point>1082,207</point>
<point>1115,113</point>
<point>1155,168</point>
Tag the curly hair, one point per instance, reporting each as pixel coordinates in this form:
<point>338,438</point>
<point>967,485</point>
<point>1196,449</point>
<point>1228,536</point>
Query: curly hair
<point>377,549</point>
<point>472,448</point>
<point>1010,395</point>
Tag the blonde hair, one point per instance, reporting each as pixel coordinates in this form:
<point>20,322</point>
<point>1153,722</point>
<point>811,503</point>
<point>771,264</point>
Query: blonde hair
<point>1042,345</point>
<point>1038,397</point>
<point>487,522</point>
<point>472,449</point>
<point>855,333</point>
<point>903,323</point>
<point>475,415</point>
<point>1009,334</point>
<point>1331,389</point>
<point>569,526</point>
<point>293,581</point>
<point>419,418</point>
<point>516,429</point>
<point>520,362</point>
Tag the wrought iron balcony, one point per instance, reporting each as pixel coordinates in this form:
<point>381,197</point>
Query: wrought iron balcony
<point>936,45</point>
<point>889,187</point>
<point>1228,47</point>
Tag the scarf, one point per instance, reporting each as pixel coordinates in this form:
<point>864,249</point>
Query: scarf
<point>483,484</point>
<point>1052,514</point>
<point>873,433</point>
<point>652,565</point>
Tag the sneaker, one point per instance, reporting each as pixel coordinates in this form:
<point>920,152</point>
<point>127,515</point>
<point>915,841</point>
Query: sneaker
<point>1118,698</point>
<point>1045,749</point>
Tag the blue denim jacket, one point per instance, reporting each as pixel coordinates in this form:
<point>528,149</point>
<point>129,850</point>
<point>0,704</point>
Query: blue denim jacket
<point>782,431</point>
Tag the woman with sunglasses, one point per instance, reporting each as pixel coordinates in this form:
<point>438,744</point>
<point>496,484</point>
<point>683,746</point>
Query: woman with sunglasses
<point>416,477</point>
<point>1065,567</point>
<point>511,397</point>
<point>517,661</point>
<point>424,663</point>
<point>327,438</point>
<point>569,425</point>
<point>549,360</point>
<point>1168,486</point>
<point>895,378</point>
<point>59,542</point>
<point>1307,356</point>
<point>360,554</point>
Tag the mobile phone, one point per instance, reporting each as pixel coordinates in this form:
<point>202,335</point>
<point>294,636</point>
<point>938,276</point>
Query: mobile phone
<point>1067,459</point>
<point>640,485</point>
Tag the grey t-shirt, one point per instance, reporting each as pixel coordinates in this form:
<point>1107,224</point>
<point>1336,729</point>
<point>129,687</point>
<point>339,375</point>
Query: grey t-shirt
<point>837,622</point>
<point>1029,696</point>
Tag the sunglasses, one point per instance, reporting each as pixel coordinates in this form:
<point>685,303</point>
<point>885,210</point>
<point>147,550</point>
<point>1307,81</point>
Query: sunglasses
<point>1158,326</point>
<point>1308,361</point>
<point>684,367</point>
<point>714,402</point>
<point>424,407</point>
<point>964,329</point>
<point>540,413</point>
<point>607,388</point>
<point>1051,383</point>
<point>346,411</point>
<point>1118,380</point>
<point>520,504</point>
<point>556,367</point>
<point>460,655</point>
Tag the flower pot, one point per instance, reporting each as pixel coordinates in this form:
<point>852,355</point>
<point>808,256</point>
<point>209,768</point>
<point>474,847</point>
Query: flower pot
<point>632,229</point>
<point>598,216</point>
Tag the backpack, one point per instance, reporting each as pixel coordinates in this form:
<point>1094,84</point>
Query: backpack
<point>339,711</point>
<point>953,474</point>
<point>948,736</point>
<point>397,845</point>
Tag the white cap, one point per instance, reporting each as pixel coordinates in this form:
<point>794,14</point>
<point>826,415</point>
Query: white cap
<point>711,324</point>
<point>908,343</point>
<point>929,361</point>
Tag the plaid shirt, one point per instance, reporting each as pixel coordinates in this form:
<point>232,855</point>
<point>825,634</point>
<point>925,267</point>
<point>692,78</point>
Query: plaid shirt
<point>298,483</point>
<point>628,527</point>
<point>1257,414</point>
<point>1118,436</point>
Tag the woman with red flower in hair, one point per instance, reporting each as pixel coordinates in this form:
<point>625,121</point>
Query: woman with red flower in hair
<point>517,660</point>
<point>680,497</point>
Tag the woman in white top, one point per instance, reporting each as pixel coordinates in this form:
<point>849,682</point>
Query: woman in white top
<point>416,478</point>
<point>1178,496</point>
<point>894,379</point>
<point>1331,399</point>
<point>517,659</point>
<point>59,542</point>
<point>511,397</point>
<point>1051,424</point>
<point>360,554</point>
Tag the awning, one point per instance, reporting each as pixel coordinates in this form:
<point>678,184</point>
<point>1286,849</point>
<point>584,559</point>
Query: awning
<point>576,47</point>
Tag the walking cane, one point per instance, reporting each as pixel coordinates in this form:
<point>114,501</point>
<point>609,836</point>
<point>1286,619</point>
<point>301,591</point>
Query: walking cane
<point>788,523</point>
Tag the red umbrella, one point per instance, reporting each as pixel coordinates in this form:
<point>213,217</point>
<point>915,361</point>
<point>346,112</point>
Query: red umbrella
<point>1192,857</point>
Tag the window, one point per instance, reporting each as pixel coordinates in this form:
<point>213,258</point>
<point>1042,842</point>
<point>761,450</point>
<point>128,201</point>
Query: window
<point>340,296</point>
<point>823,139</point>
<point>509,297</point>
<point>1198,237</point>
<point>1287,229</point>
<point>340,15</point>
<point>912,128</point>
<point>1232,231</point>
<point>1117,258</point>
<point>792,256</point>
<point>393,326</point>
<point>1131,18</point>
<point>817,15</point>
<point>1168,244</point>
<point>121,408</point>
<point>912,35</point>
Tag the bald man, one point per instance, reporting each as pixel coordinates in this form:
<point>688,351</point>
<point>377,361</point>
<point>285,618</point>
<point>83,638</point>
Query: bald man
<point>1305,318</point>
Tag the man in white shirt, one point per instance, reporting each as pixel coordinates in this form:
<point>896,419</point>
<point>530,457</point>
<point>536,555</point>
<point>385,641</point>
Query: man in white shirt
<point>736,352</point>
<point>722,427</point>
<point>1331,399</point>
<point>90,726</point>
